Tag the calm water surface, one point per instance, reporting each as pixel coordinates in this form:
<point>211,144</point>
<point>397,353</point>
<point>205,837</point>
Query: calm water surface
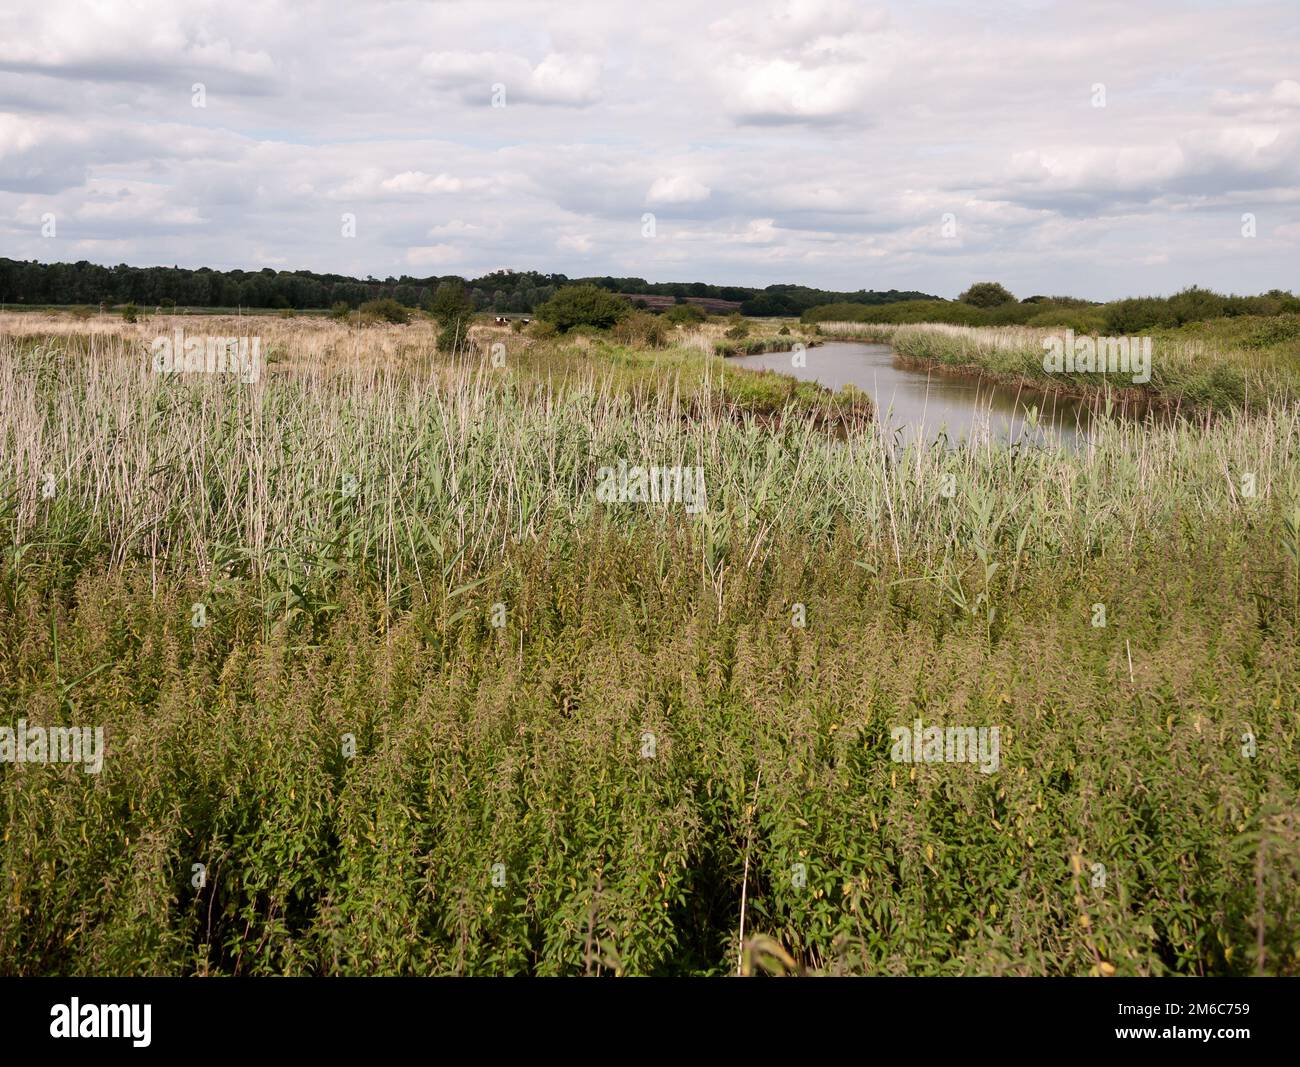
<point>923,405</point>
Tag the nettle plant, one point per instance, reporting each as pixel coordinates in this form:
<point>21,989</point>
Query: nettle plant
<point>409,735</point>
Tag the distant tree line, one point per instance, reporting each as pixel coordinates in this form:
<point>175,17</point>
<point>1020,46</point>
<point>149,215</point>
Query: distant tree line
<point>502,291</point>
<point>990,304</point>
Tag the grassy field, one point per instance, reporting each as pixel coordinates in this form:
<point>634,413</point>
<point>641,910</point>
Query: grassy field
<point>448,712</point>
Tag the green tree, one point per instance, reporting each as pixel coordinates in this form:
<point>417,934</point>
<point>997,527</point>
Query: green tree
<point>583,305</point>
<point>987,295</point>
<point>453,309</point>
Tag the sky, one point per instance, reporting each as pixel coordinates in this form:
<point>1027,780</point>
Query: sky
<point>1088,149</point>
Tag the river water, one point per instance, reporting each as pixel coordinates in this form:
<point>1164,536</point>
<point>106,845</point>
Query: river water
<point>928,406</point>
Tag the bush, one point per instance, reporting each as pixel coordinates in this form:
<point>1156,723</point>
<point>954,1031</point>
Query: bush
<point>642,329</point>
<point>1193,305</point>
<point>1081,321</point>
<point>1139,313</point>
<point>340,311</point>
<point>952,312</point>
<point>1059,301</point>
<point>583,305</point>
<point>1197,305</point>
<point>386,309</point>
<point>739,328</point>
<point>130,313</point>
<point>542,330</point>
<point>987,295</point>
<point>910,311</point>
<point>453,310</point>
<point>684,315</point>
<point>1274,331</point>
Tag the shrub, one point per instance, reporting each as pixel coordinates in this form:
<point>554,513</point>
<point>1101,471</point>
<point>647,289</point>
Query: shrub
<point>684,315</point>
<point>453,310</point>
<point>739,328</point>
<point>1197,305</point>
<point>340,311</point>
<point>1193,305</point>
<point>641,328</point>
<point>987,295</point>
<point>583,305</point>
<point>1139,313</point>
<point>1081,321</point>
<point>542,330</point>
<point>386,309</point>
<point>130,313</point>
<point>1274,331</point>
<point>1059,301</point>
<point>586,331</point>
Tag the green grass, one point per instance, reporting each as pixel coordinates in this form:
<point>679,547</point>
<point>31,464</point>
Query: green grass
<point>350,525</point>
<point>688,374</point>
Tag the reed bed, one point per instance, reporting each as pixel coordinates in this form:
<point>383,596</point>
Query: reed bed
<point>178,470</point>
<point>1190,372</point>
<point>558,707</point>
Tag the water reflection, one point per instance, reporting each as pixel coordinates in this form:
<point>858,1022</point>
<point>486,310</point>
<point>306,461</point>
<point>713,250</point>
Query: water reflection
<point>921,405</point>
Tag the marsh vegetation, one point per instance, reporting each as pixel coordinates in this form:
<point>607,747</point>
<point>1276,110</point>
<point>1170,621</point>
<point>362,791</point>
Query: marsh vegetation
<point>404,547</point>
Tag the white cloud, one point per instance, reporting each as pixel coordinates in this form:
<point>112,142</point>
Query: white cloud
<point>1280,103</point>
<point>677,189</point>
<point>439,255</point>
<point>575,242</point>
<point>143,41</point>
<point>416,181</point>
<point>813,141</point>
<point>572,80</point>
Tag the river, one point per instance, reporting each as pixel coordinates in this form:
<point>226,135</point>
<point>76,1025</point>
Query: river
<point>927,405</point>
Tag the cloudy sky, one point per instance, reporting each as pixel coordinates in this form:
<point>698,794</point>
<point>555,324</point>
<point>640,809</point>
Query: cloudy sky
<point>916,145</point>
